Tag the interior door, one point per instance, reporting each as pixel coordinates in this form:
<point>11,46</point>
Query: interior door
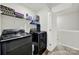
<point>52,32</point>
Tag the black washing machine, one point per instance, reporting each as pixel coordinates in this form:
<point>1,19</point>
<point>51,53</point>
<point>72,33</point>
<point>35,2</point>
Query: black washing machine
<point>15,42</point>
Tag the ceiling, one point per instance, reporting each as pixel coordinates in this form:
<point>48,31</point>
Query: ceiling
<point>38,6</point>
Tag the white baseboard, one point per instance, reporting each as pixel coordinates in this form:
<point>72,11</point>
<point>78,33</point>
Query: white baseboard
<point>51,49</point>
<point>68,46</point>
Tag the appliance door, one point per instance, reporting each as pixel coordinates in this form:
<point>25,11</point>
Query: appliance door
<point>21,46</point>
<point>0,48</point>
<point>42,42</point>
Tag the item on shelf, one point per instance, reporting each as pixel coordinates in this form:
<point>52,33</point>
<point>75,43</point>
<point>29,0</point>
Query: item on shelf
<point>38,27</point>
<point>34,22</point>
<point>19,15</point>
<point>7,11</point>
<point>28,17</point>
<point>37,18</point>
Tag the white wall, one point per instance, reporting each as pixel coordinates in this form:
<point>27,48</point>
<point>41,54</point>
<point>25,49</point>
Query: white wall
<point>16,23</point>
<point>68,25</point>
<point>69,38</point>
<point>69,20</point>
<point>12,22</point>
<point>43,18</point>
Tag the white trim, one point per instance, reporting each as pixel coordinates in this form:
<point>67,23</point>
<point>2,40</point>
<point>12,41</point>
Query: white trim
<point>51,49</point>
<point>63,9</point>
<point>64,30</point>
<point>68,46</point>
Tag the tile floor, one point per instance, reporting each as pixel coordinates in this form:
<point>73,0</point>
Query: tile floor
<point>62,50</point>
